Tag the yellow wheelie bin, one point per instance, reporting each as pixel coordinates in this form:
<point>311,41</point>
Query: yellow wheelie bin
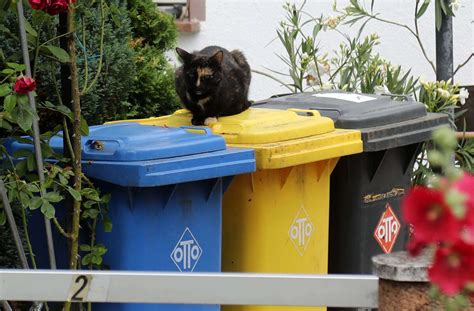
<point>276,220</point>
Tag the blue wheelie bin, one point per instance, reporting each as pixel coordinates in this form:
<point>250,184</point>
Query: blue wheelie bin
<point>166,186</point>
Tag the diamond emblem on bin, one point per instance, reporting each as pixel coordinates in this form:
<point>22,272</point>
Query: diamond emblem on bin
<point>187,252</point>
<point>301,231</point>
<point>387,230</point>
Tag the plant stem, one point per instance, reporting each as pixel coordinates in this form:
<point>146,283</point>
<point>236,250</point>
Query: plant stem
<point>273,78</point>
<point>60,228</point>
<point>27,238</point>
<point>86,62</point>
<point>87,88</point>
<point>76,142</point>
<point>415,33</point>
<point>94,226</point>
<point>35,61</point>
<point>463,64</point>
<point>55,38</point>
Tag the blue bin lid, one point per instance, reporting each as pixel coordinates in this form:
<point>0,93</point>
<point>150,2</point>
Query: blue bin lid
<point>136,142</point>
<point>135,155</point>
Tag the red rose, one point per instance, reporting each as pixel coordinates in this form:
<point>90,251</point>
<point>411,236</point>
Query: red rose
<point>453,267</point>
<point>432,218</point>
<point>23,85</point>
<point>39,4</point>
<point>56,7</point>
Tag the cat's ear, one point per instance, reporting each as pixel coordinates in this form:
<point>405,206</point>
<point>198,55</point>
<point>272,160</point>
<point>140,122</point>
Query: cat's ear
<point>185,56</point>
<point>218,57</point>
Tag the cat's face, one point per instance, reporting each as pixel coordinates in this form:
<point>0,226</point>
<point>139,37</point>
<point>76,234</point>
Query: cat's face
<point>202,74</point>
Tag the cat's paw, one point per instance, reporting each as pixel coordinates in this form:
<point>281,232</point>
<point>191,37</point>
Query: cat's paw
<point>197,121</point>
<point>210,121</point>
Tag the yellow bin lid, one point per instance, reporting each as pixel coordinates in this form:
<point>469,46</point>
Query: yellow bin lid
<point>281,138</point>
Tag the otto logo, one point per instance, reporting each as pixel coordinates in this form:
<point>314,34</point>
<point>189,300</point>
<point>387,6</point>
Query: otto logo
<point>301,230</point>
<point>387,229</point>
<point>187,252</point>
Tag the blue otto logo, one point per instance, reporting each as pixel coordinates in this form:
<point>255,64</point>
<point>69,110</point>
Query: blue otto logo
<point>187,252</point>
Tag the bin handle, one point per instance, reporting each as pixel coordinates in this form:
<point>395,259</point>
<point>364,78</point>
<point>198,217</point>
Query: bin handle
<point>308,112</point>
<point>206,130</point>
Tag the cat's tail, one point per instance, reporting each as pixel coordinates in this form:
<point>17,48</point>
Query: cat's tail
<point>239,58</point>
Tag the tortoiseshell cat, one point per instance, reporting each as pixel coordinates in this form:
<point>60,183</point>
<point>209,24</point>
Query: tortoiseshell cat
<point>213,82</point>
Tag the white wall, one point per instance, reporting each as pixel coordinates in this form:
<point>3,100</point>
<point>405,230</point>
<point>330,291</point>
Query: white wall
<point>250,25</point>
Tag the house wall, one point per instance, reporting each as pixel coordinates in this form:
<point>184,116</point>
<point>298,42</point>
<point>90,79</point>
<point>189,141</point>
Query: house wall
<point>250,25</point>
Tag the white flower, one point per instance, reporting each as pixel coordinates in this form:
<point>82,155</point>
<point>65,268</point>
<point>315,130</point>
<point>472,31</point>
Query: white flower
<point>443,93</point>
<point>332,21</point>
<point>422,80</point>
<point>381,89</point>
<point>455,4</point>
<point>463,95</point>
<point>327,86</point>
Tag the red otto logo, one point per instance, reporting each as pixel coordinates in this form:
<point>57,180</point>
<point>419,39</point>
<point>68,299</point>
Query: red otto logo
<point>387,229</point>
<point>301,230</point>
<point>187,252</point>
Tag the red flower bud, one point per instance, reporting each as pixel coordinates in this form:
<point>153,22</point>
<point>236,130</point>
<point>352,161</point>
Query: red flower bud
<point>57,6</point>
<point>23,85</point>
<point>39,4</point>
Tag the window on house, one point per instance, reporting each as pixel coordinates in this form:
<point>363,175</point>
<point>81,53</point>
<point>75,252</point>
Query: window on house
<point>188,13</point>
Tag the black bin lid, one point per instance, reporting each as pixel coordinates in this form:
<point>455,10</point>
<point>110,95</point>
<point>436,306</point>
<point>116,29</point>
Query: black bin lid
<point>384,122</point>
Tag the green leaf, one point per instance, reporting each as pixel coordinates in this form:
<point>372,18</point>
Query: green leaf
<point>7,71</point>
<point>22,99</point>
<point>16,67</point>
<point>4,124</point>
<point>106,198</point>
<point>422,9</point>
<point>9,102</point>
<point>85,248</point>
<point>32,188</point>
<point>3,218</point>
<point>47,209</point>
<point>59,53</point>
<point>5,89</point>
<point>90,194</point>
<point>84,127</point>
<point>96,260</point>
<point>107,223</point>
<point>86,260</point>
<point>30,163</point>
<point>90,213</point>
<point>23,118</point>
<point>53,197</point>
<point>63,180</point>
<point>22,153</point>
<point>100,249</point>
<point>24,199</point>
<point>74,193</point>
<point>89,204</point>
<point>438,14</point>
<point>35,203</point>
<point>30,30</point>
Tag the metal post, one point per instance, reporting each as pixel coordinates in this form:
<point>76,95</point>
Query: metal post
<point>444,52</point>
<point>13,227</point>
<point>36,132</point>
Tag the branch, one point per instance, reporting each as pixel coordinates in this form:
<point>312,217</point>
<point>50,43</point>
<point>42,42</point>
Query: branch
<point>415,33</point>
<point>101,51</point>
<point>60,229</point>
<point>273,78</point>
<point>463,64</point>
